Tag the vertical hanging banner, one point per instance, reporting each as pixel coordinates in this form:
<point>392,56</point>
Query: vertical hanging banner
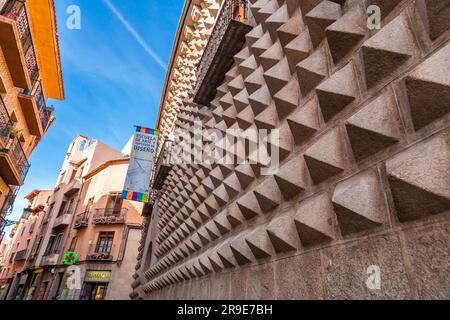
<point>137,183</point>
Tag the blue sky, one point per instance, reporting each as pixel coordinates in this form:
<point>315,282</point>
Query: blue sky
<point>112,81</point>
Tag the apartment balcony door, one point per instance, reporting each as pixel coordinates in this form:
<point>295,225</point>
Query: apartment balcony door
<point>114,203</point>
<point>90,204</point>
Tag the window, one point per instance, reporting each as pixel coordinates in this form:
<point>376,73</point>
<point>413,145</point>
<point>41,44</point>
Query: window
<point>91,142</point>
<point>28,243</point>
<point>73,244</point>
<point>80,172</point>
<point>36,246</point>
<point>82,145</point>
<point>57,244</point>
<point>90,204</point>
<point>22,230</point>
<point>70,206</point>
<point>50,243</point>
<point>62,208</point>
<point>48,214</point>
<point>50,210</point>
<point>104,242</point>
<point>114,204</point>
<point>73,174</point>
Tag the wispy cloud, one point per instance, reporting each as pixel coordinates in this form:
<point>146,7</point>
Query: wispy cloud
<point>135,35</point>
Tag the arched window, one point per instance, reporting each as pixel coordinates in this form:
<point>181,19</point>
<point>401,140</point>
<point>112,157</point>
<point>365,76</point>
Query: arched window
<point>82,145</point>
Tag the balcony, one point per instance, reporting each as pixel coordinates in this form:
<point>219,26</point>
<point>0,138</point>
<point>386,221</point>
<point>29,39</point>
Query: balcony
<point>72,187</point>
<point>27,212</point>
<point>97,254</point>
<point>5,125</point>
<point>46,218</point>
<point>226,40</point>
<point>17,43</point>
<point>51,254</point>
<point>21,255</point>
<point>50,259</point>
<point>37,115</point>
<point>13,160</point>
<point>62,221</point>
<point>163,165</point>
<point>8,203</point>
<point>109,216</point>
<point>81,221</point>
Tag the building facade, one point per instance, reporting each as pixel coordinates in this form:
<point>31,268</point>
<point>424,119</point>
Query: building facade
<point>30,72</point>
<point>358,206</point>
<point>3,251</point>
<point>105,236</point>
<point>22,247</point>
<point>83,215</point>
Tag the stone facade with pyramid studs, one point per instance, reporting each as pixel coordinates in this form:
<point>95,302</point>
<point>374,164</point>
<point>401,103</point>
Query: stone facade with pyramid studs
<point>363,188</point>
<point>191,40</point>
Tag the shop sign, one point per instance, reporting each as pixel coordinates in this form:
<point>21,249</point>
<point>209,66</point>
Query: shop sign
<point>97,276</point>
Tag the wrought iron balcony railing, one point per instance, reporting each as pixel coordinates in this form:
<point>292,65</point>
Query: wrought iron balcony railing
<point>97,252</point>
<point>27,212</point>
<point>81,220</point>
<point>46,218</point>
<point>19,157</point>
<point>44,111</point>
<point>3,223</point>
<point>21,255</point>
<point>5,123</point>
<point>52,251</point>
<point>10,144</point>
<point>109,216</point>
<point>7,205</point>
<point>163,165</point>
<point>16,10</point>
<point>226,40</point>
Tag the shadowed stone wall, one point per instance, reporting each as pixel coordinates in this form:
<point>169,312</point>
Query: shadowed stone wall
<point>364,183</point>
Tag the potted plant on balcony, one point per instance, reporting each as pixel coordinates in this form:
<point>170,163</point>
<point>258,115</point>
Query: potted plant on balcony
<point>15,133</point>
